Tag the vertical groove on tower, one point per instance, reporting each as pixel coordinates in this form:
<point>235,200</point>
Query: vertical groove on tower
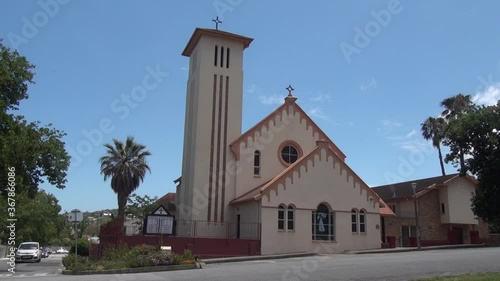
<point>211,172</point>
<point>217,166</point>
<point>224,172</point>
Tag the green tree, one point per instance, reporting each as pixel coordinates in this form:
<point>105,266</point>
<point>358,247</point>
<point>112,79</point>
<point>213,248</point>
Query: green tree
<point>433,129</point>
<point>139,206</point>
<point>35,151</point>
<point>479,132</point>
<point>454,108</point>
<point>15,75</point>
<point>37,218</point>
<point>126,165</point>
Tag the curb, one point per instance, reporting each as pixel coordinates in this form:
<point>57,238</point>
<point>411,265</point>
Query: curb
<point>137,269</point>
<point>252,258</point>
<point>413,249</point>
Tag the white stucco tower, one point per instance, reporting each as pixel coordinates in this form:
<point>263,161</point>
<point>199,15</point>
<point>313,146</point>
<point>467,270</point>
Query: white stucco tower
<point>213,120</point>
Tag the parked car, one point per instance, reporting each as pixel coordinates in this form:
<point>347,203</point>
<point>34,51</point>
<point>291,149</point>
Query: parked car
<point>62,251</point>
<point>28,251</point>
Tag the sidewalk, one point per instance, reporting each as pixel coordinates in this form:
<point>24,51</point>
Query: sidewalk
<point>374,251</point>
<point>410,249</point>
<point>263,257</point>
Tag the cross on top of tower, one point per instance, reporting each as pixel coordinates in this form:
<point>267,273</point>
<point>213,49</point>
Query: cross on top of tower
<point>290,89</point>
<point>217,21</point>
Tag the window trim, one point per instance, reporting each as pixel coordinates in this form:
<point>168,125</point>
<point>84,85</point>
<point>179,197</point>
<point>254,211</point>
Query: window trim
<point>289,143</point>
<point>256,163</point>
<point>291,209</point>
<point>331,224</point>
<point>281,209</point>
<point>354,221</point>
<point>362,214</point>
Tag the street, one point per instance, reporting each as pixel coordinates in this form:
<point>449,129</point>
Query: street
<point>47,267</point>
<point>366,267</point>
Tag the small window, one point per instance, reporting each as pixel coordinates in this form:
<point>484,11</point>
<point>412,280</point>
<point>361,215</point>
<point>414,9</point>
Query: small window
<point>354,221</point>
<point>221,56</point>
<point>362,221</point>
<point>289,154</point>
<point>291,218</point>
<point>281,217</point>
<point>443,210</point>
<point>256,163</point>
<point>215,55</point>
<point>227,58</point>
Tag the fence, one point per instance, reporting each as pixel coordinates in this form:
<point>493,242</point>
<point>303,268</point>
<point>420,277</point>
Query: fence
<point>199,229</point>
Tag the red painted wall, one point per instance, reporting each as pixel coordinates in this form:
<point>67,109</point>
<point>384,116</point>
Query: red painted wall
<point>203,247</point>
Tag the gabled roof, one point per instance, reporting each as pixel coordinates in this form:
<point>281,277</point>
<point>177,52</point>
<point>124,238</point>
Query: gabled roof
<point>257,193</point>
<point>403,190</point>
<point>199,32</point>
<point>277,113</point>
<point>248,196</point>
<point>167,198</point>
<point>384,210</point>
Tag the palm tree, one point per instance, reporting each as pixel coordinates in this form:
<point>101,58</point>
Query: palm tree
<point>126,165</point>
<point>432,129</point>
<point>455,107</point>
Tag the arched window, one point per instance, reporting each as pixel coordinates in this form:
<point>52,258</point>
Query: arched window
<point>354,221</point>
<point>256,163</point>
<point>362,221</point>
<point>290,217</point>
<point>281,217</point>
<point>323,223</point>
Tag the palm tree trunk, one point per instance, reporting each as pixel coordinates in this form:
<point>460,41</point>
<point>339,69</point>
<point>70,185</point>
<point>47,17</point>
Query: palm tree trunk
<point>122,202</point>
<point>441,160</point>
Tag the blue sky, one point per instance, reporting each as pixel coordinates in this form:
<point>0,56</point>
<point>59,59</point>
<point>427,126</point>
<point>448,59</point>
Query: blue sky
<point>368,73</point>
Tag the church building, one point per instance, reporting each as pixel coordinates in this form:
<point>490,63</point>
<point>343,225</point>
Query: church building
<point>283,181</point>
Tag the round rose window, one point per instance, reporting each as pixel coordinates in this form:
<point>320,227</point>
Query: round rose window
<point>289,154</point>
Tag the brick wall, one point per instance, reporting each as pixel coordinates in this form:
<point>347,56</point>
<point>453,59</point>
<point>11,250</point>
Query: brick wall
<point>430,218</point>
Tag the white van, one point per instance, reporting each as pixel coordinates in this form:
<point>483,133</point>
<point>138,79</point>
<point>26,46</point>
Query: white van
<point>29,251</point>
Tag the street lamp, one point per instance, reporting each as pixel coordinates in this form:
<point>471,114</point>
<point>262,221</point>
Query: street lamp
<point>414,187</point>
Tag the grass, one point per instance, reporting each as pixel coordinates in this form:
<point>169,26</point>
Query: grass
<point>467,277</point>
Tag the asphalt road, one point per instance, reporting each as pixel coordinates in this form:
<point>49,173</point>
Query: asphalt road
<point>50,266</point>
<point>366,267</point>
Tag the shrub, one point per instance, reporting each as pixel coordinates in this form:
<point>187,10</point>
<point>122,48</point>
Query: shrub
<point>161,258</point>
<point>175,259</point>
<point>83,247</point>
<point>187,255</point>
<point>78,264</point>
<point>142,250</point>
<point>115,253</point>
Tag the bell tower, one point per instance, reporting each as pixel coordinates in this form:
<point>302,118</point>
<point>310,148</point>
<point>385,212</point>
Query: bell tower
<point>213,119</point>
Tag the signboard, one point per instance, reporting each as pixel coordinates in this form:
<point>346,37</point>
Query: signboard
<point>75,216</point>
<point>159,224</point>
